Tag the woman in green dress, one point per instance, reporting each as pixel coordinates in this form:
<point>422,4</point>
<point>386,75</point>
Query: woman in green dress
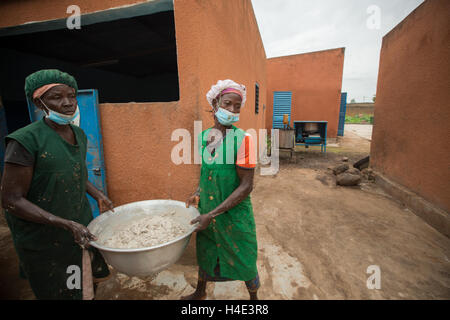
<point>44,188</point>
<point>226,235</point>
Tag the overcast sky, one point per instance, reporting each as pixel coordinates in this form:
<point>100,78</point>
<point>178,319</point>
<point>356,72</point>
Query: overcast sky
<point>299,26</point>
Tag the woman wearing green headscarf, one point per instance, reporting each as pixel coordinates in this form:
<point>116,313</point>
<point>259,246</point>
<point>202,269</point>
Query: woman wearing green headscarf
<point>44,188</point>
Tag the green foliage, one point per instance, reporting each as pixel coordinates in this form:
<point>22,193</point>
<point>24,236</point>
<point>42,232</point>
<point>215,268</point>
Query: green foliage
<point>269,145</point>
<point>363,118</point>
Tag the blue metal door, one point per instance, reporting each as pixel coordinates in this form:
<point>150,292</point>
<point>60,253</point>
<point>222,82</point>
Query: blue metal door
<point>342,111</point>
<point>281,105</point>
<point>3,134</point>
<point>90,123</point>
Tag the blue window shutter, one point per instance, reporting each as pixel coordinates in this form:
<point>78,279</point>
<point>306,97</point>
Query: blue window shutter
<point>282,101</point>
<point>342,110</point>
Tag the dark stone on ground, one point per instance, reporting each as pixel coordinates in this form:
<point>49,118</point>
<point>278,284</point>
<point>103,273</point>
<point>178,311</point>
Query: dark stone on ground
<point>363,163</point>
<point>353,171</point>
<point>340,168</point>
<point>368,174</point>
<point>347,179</point>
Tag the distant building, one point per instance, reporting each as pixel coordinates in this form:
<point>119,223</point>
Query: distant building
<point>315,81</point>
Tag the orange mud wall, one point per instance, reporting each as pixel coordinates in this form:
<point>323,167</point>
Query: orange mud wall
<point>315,80</point>
<point>410,141</point>
<point>215,40</point>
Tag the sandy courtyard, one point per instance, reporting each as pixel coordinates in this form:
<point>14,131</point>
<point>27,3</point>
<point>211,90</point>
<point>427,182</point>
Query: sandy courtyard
<point>316,241</point>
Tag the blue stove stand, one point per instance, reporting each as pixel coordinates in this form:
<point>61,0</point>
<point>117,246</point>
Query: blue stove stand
<point>305,137</point>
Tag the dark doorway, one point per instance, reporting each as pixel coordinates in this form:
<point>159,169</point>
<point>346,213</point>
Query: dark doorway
<point>128,60</point>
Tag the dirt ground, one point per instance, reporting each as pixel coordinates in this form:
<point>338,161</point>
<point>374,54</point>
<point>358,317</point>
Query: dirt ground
<point>362,130</point>
<point>316,240</point>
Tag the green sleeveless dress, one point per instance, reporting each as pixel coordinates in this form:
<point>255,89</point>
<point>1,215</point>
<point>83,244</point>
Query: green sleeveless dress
<point>230,239</point>
<point>58,186</point>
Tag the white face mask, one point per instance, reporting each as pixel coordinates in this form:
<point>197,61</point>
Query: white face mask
<point>226,117</point>
<point>63,119</point>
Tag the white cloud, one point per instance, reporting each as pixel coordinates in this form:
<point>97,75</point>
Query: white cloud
<point>301,42</point>
<point>298,26</point>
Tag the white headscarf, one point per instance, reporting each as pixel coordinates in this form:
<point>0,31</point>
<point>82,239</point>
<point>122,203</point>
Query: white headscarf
<point>222,85</point>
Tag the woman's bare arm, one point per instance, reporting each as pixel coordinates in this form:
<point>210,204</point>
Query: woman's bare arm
<point>242,191</point>
<point>15,184</point>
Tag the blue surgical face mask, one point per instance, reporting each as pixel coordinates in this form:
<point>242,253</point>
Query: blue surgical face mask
<point>226,117</point>
<point>63,119</point>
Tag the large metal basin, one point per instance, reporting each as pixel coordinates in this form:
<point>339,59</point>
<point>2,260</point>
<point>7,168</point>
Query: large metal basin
<point>146,261</point>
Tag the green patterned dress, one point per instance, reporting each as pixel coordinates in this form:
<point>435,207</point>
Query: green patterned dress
<point>227,248</point>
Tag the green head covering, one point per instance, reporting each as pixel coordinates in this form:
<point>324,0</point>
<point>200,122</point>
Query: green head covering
<point>48,76</point>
